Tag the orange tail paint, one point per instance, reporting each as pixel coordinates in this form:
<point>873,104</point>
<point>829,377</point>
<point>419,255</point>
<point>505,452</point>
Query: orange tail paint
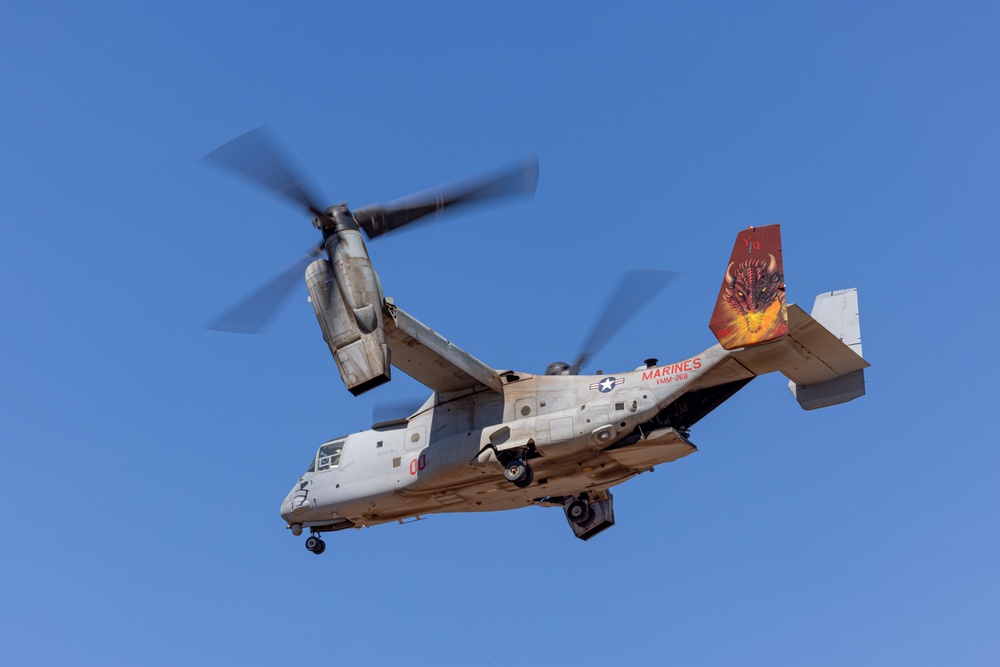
<point>751,307</point>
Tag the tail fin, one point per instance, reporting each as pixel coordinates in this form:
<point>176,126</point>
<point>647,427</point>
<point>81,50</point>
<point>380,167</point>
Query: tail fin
<point>751,307</point>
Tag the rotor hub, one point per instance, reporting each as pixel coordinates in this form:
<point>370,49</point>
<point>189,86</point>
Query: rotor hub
<point>558,368</point>
<point>335,219</point>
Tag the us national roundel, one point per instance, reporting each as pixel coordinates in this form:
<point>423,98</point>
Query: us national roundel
<point>607,384</point>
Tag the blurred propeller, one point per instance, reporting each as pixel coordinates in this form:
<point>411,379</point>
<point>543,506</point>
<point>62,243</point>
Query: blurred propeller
<point>253,313</point>
<point>635,289</point>
<point>379,219</point>
<point>385,412</point>
<point>255,156</point>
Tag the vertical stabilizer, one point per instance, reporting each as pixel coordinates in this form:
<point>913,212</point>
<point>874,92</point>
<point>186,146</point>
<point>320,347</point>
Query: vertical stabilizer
<point>751,308</point>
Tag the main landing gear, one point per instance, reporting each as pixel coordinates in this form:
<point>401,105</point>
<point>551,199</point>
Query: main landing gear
<point>578,512</point>
<point>518,473</point>
<point>315,544</point>
<point>589,513</point>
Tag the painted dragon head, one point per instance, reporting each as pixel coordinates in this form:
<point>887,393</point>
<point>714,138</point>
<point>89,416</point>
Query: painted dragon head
<point>753,287</point>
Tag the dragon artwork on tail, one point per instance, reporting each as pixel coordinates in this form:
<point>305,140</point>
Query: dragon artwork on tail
<point>751,305</point>
<point>752,289</point>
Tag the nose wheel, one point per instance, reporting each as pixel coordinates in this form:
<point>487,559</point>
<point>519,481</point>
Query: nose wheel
<point>315,544</point>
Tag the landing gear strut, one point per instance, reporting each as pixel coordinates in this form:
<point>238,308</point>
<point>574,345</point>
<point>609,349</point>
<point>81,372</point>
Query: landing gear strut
<point>519,473</point>
<point>315,544</point>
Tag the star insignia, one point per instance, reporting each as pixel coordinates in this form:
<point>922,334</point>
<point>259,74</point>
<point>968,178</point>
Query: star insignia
<point>607,384</point>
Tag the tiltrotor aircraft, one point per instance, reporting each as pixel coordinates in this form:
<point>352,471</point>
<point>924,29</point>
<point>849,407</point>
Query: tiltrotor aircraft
<point>490,439</point>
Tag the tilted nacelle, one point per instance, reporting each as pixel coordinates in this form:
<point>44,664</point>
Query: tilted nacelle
<point>344,289</point>
<point>347,298</point>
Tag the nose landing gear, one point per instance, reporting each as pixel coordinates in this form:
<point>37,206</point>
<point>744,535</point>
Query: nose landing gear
<point>315,544</point>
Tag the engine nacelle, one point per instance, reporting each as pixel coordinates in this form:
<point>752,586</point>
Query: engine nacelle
<point>347,299</point>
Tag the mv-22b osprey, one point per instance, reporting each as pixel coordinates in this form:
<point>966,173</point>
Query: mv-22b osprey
<point>490,439</point>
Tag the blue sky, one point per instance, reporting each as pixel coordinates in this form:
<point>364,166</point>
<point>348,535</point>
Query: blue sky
<point>145,457</point>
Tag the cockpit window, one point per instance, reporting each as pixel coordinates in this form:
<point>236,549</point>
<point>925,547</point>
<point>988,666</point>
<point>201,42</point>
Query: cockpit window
<point>328,455</point>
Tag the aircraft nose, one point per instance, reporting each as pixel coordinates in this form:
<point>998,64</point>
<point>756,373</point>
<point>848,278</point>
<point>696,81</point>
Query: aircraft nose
<point>286,507</point>
<point>296,503</point>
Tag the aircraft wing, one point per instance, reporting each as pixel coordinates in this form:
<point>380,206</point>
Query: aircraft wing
<point>431,359</point>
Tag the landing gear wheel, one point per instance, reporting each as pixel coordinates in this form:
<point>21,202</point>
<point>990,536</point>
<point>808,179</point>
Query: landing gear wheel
<point>578,512</point>
<point>518,472</point>
<point>515,470</point>
<point>315,545</point>
<point>527,479</point>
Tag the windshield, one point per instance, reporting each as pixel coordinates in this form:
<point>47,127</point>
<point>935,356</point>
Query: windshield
<point>328,455</point>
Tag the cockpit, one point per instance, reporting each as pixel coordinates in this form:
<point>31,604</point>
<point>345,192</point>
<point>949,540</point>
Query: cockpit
<point>328,456</point>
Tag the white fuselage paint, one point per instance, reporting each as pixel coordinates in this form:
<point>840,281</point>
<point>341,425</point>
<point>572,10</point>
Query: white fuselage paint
<point>441,460</point>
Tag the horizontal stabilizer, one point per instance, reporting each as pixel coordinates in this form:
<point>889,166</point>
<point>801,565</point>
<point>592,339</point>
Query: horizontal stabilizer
<point>830,343</point>
<point>834,392</point>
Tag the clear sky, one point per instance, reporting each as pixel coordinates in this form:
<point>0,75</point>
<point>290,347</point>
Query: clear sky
<point>145,458</point>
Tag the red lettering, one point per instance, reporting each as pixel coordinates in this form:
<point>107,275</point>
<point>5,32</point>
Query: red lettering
<point>672,372</point>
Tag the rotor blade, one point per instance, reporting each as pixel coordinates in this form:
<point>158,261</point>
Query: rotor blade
<point>379,219</point>
<point>253,313</point>
<point>635,289</point>
<point>254,156</point>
